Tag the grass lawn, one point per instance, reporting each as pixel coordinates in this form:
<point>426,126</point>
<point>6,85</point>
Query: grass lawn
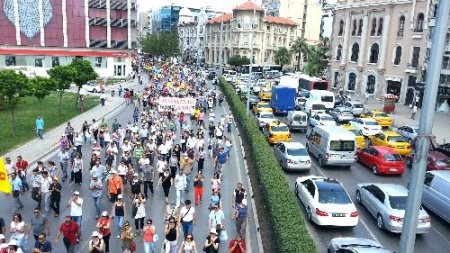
<point>28,110</point>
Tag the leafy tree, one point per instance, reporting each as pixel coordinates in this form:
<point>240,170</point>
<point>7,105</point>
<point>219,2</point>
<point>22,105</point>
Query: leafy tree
<point>83,73</point>
<point>13,86</point>
<point>63,76</point>
<point>40,87</point>
<point>238,61</point>
<point>301,48</point>
<point>317,59</point>
<point>282,56</point>
<point>161,44</point>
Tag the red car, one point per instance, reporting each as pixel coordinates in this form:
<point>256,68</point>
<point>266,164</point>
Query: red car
<point>436,161</point>
<point>382,160</point>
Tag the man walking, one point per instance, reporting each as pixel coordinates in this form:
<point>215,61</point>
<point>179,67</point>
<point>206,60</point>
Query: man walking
<point>55,195</point>
<point>76,208</point>
<point>240,214</point>
<point>36,180</point>
<point>40,127</point>
<point>238,195</point>
<point>70,232</point>
<point>63,158</point>
<point>148,173</point>
<point>96,187</point>
<point>16,191</point>
<point>180,186</point>
<point>46,181</point>
<point>39,224</point>
<point>69,131</point>
<point>187,217</point>
<point>22,167</point>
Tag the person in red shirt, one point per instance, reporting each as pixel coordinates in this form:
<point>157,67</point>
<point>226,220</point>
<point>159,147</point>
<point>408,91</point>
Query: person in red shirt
<point>70,231</point>
<point>237,245</point>
<point>22,167</point>
<point>103,225</point>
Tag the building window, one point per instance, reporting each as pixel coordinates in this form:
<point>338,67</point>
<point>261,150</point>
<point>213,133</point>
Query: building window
<point>401,26</point>
<point>370,87</point>
<point>398,55</point>
<point>55,61</point>
<point>415,57</point>
<point>374,27</point>
<point>339,52</point>
<point>10,61</point>
<point>446,62</point>
<point>351,81</point>
<point>360,27</point>
<point>98,62</point>
<point>355,52</point>
<point>38,62</point>
<point>341,28</point>
<point>435,10</point>
<point>380,26</point>
<point>335,80</point>
<point>419,23</point>
<point>374,52</point>
<point>354,28</point>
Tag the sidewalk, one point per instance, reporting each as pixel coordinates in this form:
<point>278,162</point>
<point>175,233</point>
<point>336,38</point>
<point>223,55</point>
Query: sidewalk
<point>36,149</point>
<point>402,116</point>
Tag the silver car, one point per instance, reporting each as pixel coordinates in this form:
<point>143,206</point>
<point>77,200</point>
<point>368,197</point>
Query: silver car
<point>265,118</point>
<point>356,106</point>
<point>408,131</point>
<point>387,203</point>
<point>341,114</point>
<point>355,245</point>
<point>292,156</point>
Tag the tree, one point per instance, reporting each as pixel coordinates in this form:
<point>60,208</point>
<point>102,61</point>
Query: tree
<point>63,76</point>
<point>282,56</point>
<point>161,44</point>
<point>13,86</point>
<point>40,87</point>
<point>300,47</point>
<point>238,61</point>
<point>317,59</point>
<point>83,73</point>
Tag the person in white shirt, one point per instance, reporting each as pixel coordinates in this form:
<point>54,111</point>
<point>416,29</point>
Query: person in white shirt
<point>114,150</point>
<point>46,181</point>
<point>187,217</point>
<point>126,147</point>
<point>76,208</point>
<point>191,142</point>
<point>78,141</point>
<point>180,186</point>
<point>216,217</point>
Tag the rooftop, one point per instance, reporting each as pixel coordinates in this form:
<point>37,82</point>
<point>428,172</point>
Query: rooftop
<point>280,20</point>
<point>225,18</point>
<point>248,6</point>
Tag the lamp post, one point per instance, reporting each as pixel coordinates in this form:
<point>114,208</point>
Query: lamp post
<point>251,61</point>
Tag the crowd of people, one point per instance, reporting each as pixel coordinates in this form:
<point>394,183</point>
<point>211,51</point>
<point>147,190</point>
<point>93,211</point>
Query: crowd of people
<point>156,151</point>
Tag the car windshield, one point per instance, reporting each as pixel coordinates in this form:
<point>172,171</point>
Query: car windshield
<point>380,114</point>
<point>333,196</point>
<point>358,106</point>
<point>327,98</point>
<point>355,132</point>
<point>392,157</point>
<point>267,116</point>
<point>342,145</point>
<point>297,152</point>
<point>280,129</point>
<point>443,162</point>
<point>298,118</point>
<point>396,139</point>
<point>318,107</point>
<point>371,123</point>
<point>398,202</point>
<point>327,118</point>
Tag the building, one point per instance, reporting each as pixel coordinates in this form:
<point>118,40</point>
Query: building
<point>270,33</point>
<point>306,13</point>
<point>326,23</point>
<point>378,46</point>
<point>103,32</point>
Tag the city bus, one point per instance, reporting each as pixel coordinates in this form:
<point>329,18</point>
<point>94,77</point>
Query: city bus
<point>306,82</point>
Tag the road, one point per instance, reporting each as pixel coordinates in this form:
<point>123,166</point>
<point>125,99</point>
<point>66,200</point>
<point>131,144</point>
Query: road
<point>155,207</point>
<point>435,241</point>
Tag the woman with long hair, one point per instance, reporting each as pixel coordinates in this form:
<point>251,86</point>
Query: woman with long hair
<point>127,235</point>
<point>77,169</point>
<point>148,237</point>
<point>188,245</point>
<point>165,180</point>
<point>119,211</point>
<point>171,233</point>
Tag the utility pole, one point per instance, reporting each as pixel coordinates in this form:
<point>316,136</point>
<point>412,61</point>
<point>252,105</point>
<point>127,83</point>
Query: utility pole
<point>426,124</point>
<point>221,45</point>
<point>251,59</point>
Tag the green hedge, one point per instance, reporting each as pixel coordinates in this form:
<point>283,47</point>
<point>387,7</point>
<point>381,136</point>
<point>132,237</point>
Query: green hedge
<point>285,217</point>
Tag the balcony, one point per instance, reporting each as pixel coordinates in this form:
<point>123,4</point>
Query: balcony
<point>417,35</point>
<point>411,68</point>
<point>115,5</point>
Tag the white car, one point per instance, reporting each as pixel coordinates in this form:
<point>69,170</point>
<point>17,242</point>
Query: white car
<point>322,119</point>
<point>93,87</point>
<point>292,156</point>
<point>366,126</point>
<point>265,118</point>
<point>326,201</point>
<point>408,131</point>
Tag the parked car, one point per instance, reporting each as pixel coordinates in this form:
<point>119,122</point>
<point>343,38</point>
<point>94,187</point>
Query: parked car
<point>292,156</point>
<point>443,148</point>
<point>322,119</point>
<point>436,161</point>
<point>341,114</point>
<point>264,118</point>
<point>93,87</point>
<point>436,193</point>
<point>366,126</point>
<point>393,140</point>
<point>326,201</point>
<point>355,106</point>
<point>382,160</point>
<point>355,245</point>
<point>387,203</point>
<point>408,131</point>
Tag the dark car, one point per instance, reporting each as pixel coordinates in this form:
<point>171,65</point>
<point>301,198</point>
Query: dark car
<point>338,101</point>
<point>436,161</point>
<point>211,75</point>
<point>444,148</point>
<point>253,100</point>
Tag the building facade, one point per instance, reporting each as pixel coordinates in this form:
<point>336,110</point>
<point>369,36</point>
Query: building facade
<point>378,46</point>
<point>269,34</point>
<point>42,34</point>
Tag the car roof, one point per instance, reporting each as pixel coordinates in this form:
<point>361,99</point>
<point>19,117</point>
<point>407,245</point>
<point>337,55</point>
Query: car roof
<point>368,119</point>
<point>358,244</point>
<point>444,174</point>
<point>279,123</point>
<point>290,145</point>
<point>393,189</point>
<point>390,133</point>
<point>384,149</point>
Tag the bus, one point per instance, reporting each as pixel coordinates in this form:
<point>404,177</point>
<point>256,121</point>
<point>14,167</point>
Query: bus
<point>306,82</point>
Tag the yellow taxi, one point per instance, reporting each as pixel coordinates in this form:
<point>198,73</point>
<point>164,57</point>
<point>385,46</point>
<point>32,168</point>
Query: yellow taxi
<point>393,140</point>
<point>381,117</point>
<point>262,107</point>
<point>277,132</point>
<point>265,94</point>
<point>359,138</point>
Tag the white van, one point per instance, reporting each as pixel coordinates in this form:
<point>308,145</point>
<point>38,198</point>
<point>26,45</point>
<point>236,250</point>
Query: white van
<point>324,96</point>
<point>312,107</point>
<point>436,193</point>
<point>332,145</point>
<point>297,120</point>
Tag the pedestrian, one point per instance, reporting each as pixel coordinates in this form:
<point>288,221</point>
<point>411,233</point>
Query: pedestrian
<point>186,166</point>
<point>220,160</point>
<point>2,226</point>
<point>36,180</point>
<point>240,215</point>
<point>139,212</point>
<point>115,186</point>
<point>42,245</point>
<point>55,195</point>
<point>119,212</point>
<point>70,231</point>
<point>63,159</point>
<point>76,208</point>
<point>96,187</point>
<point>413,111</point>
<point>40,127</point>
<point>136,185</point>
<point>98,170</point>
<point>171,233</point>
<point>22,167</point>
<point>180,186</point>
<point>215,182</point>
<point>13,247</point>
<point>104,229</point>
<point>17,190</point>
<point>127,236</point>
<point>3,244</point>
<point>102,99</point>
<point>148,173</point>
<point>216,219</point>
<point>39,224</point>
<point>200,157</point>
<point>187,217</point>
<point>237,245</point>
<point>69,131</point>
<point>212,242</point>
<point>96,244</point>
<point>166,181</point>
<point>18,230</point>
<point>51,169</point>
<point>198,187</point>
<point>46,181</point>
<point>215,199</point>
<point>238,195</point>
<point>188,245</point>
<point>149,237</point>
<point>78,142</point>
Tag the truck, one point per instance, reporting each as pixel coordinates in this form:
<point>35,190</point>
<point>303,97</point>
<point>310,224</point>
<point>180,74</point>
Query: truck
<point>283,99</point>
